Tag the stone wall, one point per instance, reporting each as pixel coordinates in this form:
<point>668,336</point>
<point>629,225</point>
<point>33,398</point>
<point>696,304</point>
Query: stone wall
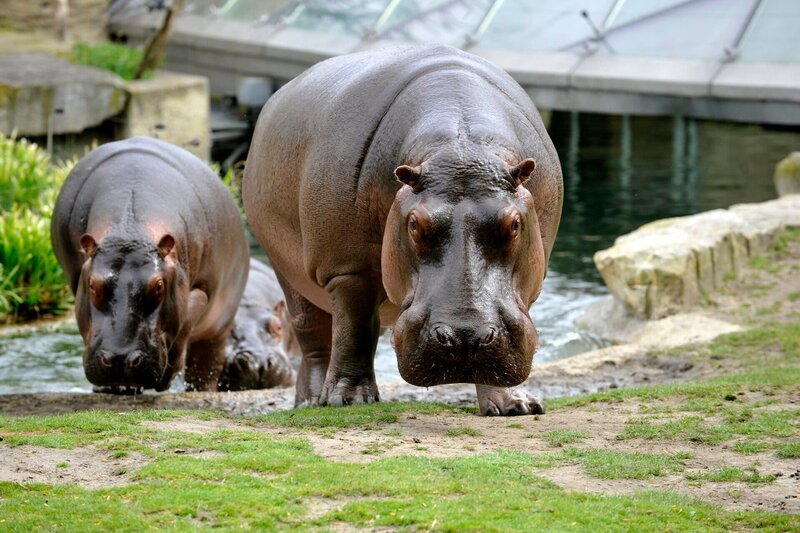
<point>669,265</point>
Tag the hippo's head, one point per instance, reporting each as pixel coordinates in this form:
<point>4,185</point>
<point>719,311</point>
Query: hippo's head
<point>131,304</point>
<point>463,260</point>
<point>255,357</point>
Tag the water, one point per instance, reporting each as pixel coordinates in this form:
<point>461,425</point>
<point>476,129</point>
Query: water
<point>619,173</point>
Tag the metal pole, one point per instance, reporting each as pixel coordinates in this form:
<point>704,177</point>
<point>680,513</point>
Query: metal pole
<point>473,38</point>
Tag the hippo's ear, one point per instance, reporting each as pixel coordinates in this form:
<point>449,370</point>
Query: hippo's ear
<point>279,308</point>
<point>522,171</point>
<point>165,245</point>
<point>408,175</point>
<point>89,245</point>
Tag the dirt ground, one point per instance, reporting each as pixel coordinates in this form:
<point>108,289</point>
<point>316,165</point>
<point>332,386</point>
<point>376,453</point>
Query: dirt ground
<point>761,295</point>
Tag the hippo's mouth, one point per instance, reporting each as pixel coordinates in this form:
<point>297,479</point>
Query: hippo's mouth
<point>426,357</point>
<point>120,390</point>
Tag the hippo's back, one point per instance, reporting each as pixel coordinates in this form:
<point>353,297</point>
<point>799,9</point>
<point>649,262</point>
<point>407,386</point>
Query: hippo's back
<point>320,167</point>
<point>161,188</point>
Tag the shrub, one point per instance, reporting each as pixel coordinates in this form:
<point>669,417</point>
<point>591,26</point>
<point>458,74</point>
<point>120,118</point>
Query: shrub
<point>31,280</point>
<point>117,58</point>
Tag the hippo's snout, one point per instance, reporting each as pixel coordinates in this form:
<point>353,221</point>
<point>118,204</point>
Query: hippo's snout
<point>464,340</point>
<point>134,368</point>
<point>247,369</point>
<point>489,352</point>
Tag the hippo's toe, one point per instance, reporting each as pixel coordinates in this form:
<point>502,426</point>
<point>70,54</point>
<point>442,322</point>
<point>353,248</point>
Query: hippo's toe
<point>499,401</point>
<point>348,391</point>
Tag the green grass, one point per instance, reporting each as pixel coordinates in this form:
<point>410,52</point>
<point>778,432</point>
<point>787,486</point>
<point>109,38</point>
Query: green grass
<point>607,464</point>
<point>31,280</point>
<point>793,296</point>
<point>117,58</point>
<point>750,447</point>
<point>269,482</point>
<point>462,431</point>
<point>354,415</point>
<point>789,450</point>
<point>730,474</point>
<point>562,437</point>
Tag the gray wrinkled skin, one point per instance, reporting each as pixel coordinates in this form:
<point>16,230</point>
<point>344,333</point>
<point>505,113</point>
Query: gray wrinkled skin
<point>256,355</point>
<point>153,247</point>
<point>413,187</point>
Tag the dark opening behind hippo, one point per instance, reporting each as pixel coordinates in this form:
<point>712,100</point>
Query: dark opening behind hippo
<point>414,187</point>
<point>156,255</point>
<point>257,354</point>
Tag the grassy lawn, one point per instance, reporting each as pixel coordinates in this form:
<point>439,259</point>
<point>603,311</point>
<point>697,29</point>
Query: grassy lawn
<point>203,469</point>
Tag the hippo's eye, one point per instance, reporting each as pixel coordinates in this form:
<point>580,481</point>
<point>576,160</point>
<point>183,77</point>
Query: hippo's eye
<point>412,224</point>
<point>516,226</point>
<point>96,294</point>
<point>275,328</point>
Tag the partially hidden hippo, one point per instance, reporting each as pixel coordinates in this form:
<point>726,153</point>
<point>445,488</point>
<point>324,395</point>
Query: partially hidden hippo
<point>261,342</point>
<point>154,250</point>
<point>415,187</point>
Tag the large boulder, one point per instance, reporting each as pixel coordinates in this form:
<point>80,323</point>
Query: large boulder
<point>669,265</point>
<point>787,175</point>
<point>40,91</point>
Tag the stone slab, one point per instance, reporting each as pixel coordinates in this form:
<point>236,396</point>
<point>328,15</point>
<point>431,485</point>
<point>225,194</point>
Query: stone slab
<point>38,90</point>
<point>670,265</point>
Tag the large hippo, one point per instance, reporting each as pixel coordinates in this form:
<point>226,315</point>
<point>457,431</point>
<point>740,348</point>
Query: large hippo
<point>154,250</point>
<point>260,341</point>
<point>415,187</point>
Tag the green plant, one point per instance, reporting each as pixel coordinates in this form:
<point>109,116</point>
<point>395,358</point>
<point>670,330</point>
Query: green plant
<point>119,59</point>
<point>31,280</point>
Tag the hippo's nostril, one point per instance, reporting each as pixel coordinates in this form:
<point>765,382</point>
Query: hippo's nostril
<point>135,359</point>
<point>488,334</point>
<point>105,360</point>
<point>242,360</point>
<point>444,335</point>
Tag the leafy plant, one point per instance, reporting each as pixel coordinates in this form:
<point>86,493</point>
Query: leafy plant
<point>117,58</point>
<point>31,280</point>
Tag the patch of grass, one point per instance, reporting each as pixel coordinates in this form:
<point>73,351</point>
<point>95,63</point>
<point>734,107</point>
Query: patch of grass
<point>790,450</point>
<point>117,58</point>
<point>609,464</point>
<point>728,474</point>
<point>262,482</point>
<point>770,309</point>
<point>750,447</point>
<point>515,425</point>
<point>793,296</point>
<point>353,416</point>
<point>562,437</point>
<point>765,263</point>
<point>462,431</point>
<point>745,421</point>
<point>62,465</point>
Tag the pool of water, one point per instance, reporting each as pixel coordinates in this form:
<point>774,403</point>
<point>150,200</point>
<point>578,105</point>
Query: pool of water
<point>619,173</point>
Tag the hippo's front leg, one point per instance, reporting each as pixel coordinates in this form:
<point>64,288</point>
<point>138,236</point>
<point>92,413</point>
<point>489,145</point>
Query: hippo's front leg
<point>204,363</point>
<point>356,328</point>
<point>496,401</point>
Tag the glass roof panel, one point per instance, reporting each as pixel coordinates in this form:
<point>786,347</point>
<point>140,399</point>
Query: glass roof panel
<point>774,34</point>
<point>700,30</point>
<point>449,21</point>
<point>543,24</point>
<point>630,10</point>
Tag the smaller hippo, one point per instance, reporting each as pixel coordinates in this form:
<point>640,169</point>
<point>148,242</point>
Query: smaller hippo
<point>155,253</point>
<point>256,353</point>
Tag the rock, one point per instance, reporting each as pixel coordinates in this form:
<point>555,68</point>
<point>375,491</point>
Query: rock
<point>670,265</point>
<point>38,89</point>
<point>787,175</point>
<point>171,107</point>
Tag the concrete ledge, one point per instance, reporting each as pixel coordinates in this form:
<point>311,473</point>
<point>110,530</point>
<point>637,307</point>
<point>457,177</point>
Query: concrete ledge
<point>39,90</point>
<point>669,265</point>
<point>171,107</point>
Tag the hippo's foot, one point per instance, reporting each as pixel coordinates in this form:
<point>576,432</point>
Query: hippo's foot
<point>121,390</point>
<point>497,401</point>
<point>346,391</point>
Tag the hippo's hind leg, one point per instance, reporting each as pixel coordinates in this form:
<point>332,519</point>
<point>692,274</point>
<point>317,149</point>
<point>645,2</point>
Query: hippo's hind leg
<point>497,401</point>
<point>205,360</point>
<point>312,328</point>
<point>356,328</point>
